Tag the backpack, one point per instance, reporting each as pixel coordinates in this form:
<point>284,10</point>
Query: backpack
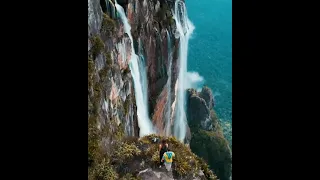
<point>169,154</point>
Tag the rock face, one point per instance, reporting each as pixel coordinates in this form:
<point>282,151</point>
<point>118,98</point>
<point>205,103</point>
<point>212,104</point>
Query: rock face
<point>112,111</point>
<point>111,101</point>
<point>111,98</point>
<point>207,140</point>
<point>155,174</point>
<point>150,21</point>
<point>152,24</point>
<point>140,158</point>
<point>199,108</point>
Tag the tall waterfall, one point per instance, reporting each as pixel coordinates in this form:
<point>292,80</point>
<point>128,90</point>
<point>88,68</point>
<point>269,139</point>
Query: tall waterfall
<point>168,113</point>
<point>139,78</point>
<point>184,30</point>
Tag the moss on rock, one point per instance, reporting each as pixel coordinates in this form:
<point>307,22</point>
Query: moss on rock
<point>126,105</point>
<point>97,46</point>
<point>129,153</point>
<point>108,58</point>
<point>108,25</point>
<point>90,72</point>
<point>105,171</point>
<point>125,151</point>
<point>185,164</point>
<point>103,73</point>
<point>213,147</point>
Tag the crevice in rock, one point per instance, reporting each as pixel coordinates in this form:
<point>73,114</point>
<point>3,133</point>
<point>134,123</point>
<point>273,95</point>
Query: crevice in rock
<point>103,6</point>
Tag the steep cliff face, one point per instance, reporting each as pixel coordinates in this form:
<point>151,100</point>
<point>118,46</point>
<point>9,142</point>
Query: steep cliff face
<point>112,110</point>
<point>150,21</point>
<point>207,139</point>
<point>111,98</point>
<point>152,24</point>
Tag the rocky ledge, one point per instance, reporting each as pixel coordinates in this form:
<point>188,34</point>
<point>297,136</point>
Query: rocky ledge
<point>137,158</point>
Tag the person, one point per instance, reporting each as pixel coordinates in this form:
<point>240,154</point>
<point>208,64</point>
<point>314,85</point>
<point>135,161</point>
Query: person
<point>167,158</point>
<point>163,147</point>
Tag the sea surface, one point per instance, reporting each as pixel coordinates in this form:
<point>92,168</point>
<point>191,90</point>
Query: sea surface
<point>210,50</point>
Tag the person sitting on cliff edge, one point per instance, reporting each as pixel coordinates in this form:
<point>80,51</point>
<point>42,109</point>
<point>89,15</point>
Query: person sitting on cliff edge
<point>163,147</point>
<point>167,158</point>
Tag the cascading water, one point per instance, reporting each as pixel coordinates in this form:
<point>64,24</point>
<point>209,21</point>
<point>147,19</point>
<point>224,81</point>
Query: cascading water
<point>184,30</point>
<point>139,78</point>
<point>143,74</point>
<point>168,115</point>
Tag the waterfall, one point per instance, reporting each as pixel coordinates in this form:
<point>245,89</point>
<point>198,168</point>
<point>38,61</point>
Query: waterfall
<point>139,78</point>
<point>110,8</point>
<point>168,114</point>
<point>184,30</point>
<point>143,74</point>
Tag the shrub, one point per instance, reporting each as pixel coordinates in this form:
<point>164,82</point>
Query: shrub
<point>213,147</point>
<point>108,25</point>
<point>125,151</point>
<point>104,171</point>
<point>97,46</point>
<point>108,59</point>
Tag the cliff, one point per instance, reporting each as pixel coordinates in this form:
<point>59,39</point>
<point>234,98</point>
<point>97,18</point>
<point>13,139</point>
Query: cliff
<point>111,97</point>
<point>133,158</point>
<point>207,139</point>
<point>112,110</point>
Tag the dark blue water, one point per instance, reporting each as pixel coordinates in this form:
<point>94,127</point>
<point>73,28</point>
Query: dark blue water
<point>210,49</point>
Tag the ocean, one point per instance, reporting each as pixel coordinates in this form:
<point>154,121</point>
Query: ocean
<point>210,50</point>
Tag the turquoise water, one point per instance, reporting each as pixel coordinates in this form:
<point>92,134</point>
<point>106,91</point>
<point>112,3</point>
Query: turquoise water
<point>210,49</point>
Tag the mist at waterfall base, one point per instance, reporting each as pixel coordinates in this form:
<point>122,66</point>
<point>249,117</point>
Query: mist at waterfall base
<point>210,50</point>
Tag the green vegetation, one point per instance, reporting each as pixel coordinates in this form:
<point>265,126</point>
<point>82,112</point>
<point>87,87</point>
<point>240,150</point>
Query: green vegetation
<point>90,66</point>
<point>108,59</point>
<point>119,134</point>
<point>164,16</point>
<point>104,170</point>
<point>212,146</point>
<point>108,25</point>
<point>185,163</point>
<point>93,140</point>
<point>126,105</point>
<point>97,46</point>
<point>125,151</point>
<point>90,71</point>
<point>164,9</point>
<point>103,73</point>
<point>170,20</point>
<point>137,154</point>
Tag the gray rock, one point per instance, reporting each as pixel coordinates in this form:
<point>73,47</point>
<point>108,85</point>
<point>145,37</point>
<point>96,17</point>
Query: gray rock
<point>100,62</point>
<point>150,174</point>
<point>207,95</point>
<point>94,16</point>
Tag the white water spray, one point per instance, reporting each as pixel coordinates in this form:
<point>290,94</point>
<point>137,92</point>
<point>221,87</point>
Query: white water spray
<point>168,115</point>
<point>140,84</point>
<point>184,30</point>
